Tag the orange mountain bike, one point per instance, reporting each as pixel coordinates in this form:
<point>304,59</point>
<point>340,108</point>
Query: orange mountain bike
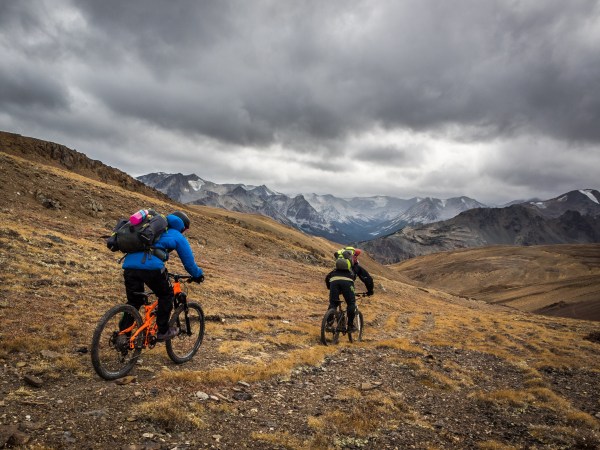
<point>115,351</point>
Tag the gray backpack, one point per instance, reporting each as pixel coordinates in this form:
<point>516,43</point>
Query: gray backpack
<point>129,238</point>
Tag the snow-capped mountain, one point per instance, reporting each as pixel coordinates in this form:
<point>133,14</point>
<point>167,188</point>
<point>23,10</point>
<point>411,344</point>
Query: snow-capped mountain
<point>585,201</point>
<point>571,218</point>
<point>343,220</point>
<point>429,210</point>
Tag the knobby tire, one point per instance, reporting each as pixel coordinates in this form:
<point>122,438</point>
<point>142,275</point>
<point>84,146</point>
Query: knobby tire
<point>111,356</point>
<point>330,337</point>
<point>359,323</point>
<point>184,346</point>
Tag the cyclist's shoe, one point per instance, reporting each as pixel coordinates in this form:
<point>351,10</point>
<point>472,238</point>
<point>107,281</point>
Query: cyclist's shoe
<point>352,329</point>
<point>169,334</point>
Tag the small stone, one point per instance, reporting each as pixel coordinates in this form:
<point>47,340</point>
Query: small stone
<point>243,383</point>
<point>21,364</point>
<point>148,435</point>
<point>6,433</point>
<point>32,380</point>
<point>368,386</point>
<point>242,396</point>
<point>50,354</point>
<point>30,426</point>
<point>202,395</point>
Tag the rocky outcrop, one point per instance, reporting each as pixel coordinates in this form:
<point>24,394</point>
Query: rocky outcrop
<point>72,160</point>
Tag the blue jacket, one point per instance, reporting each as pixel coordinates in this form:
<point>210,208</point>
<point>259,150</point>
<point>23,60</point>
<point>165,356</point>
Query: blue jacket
<point>172,239</point>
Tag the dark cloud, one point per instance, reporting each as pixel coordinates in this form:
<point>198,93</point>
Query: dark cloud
<point>313,77</point>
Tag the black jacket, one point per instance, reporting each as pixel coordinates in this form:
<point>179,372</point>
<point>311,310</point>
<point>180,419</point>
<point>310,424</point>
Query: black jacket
<point>357,271</point>
<point>364,276</point>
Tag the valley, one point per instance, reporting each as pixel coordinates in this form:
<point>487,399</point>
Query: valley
<point>558,280</point>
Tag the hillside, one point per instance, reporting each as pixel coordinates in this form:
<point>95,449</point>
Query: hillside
<point>435,370</point>
<point>558,280</point>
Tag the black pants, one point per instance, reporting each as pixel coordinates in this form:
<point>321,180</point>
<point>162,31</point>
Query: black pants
<point>345,288</point>
<point>158,282</point>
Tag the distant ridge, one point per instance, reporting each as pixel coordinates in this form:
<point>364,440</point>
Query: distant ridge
<point>343,220</point>
<point>572,218</point>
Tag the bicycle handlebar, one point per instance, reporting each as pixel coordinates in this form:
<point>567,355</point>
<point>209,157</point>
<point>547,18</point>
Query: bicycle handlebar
<point>178,277</point>
<point>361,294</point>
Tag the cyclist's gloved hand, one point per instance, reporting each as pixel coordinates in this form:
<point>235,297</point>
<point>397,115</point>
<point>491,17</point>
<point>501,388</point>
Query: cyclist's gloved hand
<point>369,293</point>
<point>199,279</point>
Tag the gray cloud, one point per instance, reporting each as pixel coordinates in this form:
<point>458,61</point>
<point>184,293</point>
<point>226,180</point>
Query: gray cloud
<point>325,79</point>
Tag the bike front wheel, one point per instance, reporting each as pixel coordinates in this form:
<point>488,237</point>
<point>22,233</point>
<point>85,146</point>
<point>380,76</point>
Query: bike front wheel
<point>184,346</point>
<point>111,354</point>
<point>358,323</point>
<point>330,328</point>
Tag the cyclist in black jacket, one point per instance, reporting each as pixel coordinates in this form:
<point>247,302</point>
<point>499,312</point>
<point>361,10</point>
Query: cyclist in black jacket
<point>341,280</point>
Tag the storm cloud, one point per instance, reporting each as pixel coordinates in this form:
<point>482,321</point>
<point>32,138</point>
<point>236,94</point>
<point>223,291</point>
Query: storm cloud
<point>491,99</point>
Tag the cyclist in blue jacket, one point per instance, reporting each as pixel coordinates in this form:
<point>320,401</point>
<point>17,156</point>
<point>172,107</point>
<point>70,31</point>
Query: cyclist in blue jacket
<point>141,268</point>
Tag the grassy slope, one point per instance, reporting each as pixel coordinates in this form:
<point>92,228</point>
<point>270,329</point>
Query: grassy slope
<point>266,281</point>
<point>562,280</point>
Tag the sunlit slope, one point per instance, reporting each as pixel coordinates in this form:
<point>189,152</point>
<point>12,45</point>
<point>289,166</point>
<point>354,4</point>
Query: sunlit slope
<point>562,280</point>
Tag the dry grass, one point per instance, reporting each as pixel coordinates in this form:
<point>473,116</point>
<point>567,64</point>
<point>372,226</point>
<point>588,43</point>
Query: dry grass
<point>170,414</point>
<point>260,370</point>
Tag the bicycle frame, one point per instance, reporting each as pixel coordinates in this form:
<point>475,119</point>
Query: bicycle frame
<point>149,324</point>
<point>149,327</point>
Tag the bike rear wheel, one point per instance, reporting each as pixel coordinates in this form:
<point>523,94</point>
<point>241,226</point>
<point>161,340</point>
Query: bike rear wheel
<point>112,357</point>
<point>358,323</point>
<point>330,328</point>
<point>184,346</point>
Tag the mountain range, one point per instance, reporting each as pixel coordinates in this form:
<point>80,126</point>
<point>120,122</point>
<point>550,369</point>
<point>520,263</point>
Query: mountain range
<point>570,218</point>
<point>343,220</point>
<point>392,229</point>
<point>395,229</point>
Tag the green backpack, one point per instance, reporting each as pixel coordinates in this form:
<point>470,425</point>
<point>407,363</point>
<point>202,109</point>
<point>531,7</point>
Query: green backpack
<point>343,258</point>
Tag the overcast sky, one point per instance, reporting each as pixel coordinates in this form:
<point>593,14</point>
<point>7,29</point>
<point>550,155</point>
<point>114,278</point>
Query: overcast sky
<point>496,100</point>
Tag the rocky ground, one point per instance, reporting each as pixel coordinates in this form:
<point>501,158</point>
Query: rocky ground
<point>361,396</point>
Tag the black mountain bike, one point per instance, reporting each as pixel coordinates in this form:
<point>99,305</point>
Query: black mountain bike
<point>115,351</point>
<point>335,322</point>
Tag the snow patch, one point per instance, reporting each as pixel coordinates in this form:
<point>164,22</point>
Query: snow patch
<point>564,198</point>
<point>590,195</point>
<point>196,185</point>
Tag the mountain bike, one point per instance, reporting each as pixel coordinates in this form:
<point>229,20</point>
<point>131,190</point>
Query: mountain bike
<point>335,322</point>
<point>115,351</point>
